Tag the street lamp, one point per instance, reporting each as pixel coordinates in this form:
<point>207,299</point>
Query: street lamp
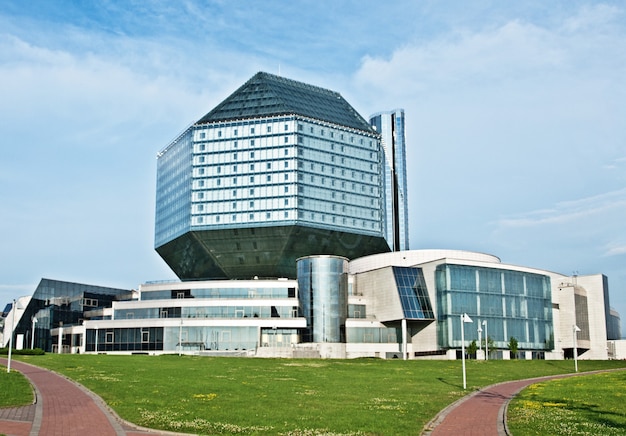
<point>575,329</point>
<point>180,336</point>
<point>13,309</point>
<point>480,338</point>
<point>486,341</point>
<point>32,337</point>
<point>464,319</point>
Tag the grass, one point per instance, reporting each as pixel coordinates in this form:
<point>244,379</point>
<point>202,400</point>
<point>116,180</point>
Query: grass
<point>283,396</point>
<point>15,389</point>
<point>585,405</point>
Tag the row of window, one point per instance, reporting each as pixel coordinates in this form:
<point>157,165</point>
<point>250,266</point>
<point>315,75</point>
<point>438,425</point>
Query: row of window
<point>314,217</point>
<point>244,130</point>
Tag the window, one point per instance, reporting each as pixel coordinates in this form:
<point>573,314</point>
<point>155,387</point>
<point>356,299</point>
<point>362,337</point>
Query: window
<point>252,130</point>
<point>286,127</point>
<point>252,142</point>
<point>145,335</point>
<point>268,178</point>
<point>201,171</point>
<point>269,166</point>
<point>202,135</point>
<point>269,129</point>
<point>234,156</point>
<point>252,204</point>
<point>251,179</point>
<point>251,167</point>
<point>234,206</point>
<point>219,133</point>
<point>251,191</point>
<point>286,164</point>
<point>219,182</point>
<point>108,337</point>
<point>235,132</point>
<point>201,159</point>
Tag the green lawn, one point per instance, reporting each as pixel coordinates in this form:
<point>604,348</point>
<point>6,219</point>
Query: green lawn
<point>282,396</point>
<point>15,389</point>
<point>585,405</point>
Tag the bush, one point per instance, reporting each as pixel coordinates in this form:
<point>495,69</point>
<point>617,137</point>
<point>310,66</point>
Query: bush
<point>25,352</point>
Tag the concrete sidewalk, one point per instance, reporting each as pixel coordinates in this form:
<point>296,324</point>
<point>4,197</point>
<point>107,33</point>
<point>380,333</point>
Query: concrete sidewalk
<point>63,408</point>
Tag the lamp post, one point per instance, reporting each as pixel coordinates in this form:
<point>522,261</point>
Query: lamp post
<point>32,336</point>
<point>180,336</point>
<point>486,340</point>
<point>480,338</point>
<point>13,309</point>
<point>96,346</point>
<point>575,329</point>
<point>464,319</point>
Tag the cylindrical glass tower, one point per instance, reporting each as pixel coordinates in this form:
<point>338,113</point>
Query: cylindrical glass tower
<point>323,291</point>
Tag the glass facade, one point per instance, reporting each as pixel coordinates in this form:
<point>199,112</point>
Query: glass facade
<point>391,127</point>
<point>279,170</point>
<point>57,303</point>
<point>514,304</point>
<point>413,293</point>
<point>173,189</point>
<point>323,289</point>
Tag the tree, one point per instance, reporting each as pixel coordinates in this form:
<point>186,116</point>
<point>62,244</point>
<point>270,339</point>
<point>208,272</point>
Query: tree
<point>513,347</point>
<point>471,349</point>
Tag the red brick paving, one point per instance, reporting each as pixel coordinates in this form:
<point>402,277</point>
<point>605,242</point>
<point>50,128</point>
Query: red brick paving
<point>482,413</point>
<point>63,408</point>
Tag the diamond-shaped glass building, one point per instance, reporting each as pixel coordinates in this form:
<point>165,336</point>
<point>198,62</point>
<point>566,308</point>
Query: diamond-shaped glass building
<point>277,171</point>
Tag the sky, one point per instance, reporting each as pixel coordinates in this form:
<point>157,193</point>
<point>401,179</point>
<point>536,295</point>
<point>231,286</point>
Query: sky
<point>515,121</point>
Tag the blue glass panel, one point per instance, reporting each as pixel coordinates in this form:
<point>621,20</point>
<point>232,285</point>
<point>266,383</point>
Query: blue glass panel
<point>413,293</point>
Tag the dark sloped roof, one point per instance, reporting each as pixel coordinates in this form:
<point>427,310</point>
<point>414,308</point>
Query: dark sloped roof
<point>269,95</point>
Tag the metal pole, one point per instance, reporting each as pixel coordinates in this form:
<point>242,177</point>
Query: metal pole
<point>463,350</point>
<point>575,330</point>
<point>96,346</point>
<point>180,336</point>
<point>13,309</point>
<point>486,341</point>
<point>32,337</point>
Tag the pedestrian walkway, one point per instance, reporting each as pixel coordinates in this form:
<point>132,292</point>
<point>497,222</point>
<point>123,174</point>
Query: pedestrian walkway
<point>482,413</point>
<point>62,408</point>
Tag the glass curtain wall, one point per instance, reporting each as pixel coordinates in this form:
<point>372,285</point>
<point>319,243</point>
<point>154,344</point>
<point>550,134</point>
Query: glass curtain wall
<point>323,290</point>
<point>514,304</point>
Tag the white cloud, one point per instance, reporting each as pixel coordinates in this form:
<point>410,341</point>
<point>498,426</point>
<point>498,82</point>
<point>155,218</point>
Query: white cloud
<point>610,203</point>
<point>615,249</point>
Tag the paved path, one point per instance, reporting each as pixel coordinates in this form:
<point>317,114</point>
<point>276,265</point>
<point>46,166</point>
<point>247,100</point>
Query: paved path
<point>483,413</point>
<point>62,408</point>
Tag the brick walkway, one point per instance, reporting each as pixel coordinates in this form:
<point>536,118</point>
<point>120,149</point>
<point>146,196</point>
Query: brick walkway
<point>483,413</point>
<point>62,408</point>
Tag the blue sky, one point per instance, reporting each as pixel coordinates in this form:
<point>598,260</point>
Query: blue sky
<point>515,121</point>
